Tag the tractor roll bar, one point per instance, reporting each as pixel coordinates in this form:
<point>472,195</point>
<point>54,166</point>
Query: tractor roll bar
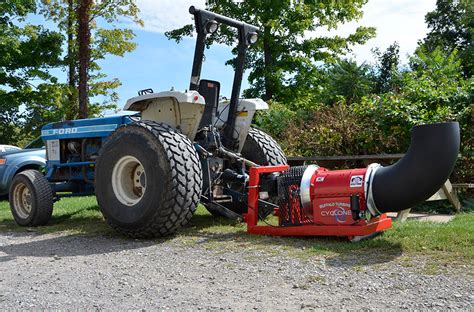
<point>246,35</point>
<point>220,18</point>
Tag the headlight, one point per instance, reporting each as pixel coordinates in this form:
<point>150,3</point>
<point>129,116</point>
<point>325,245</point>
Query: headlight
<point>210,27</point>
<point>252,37</point>
<point>3,161</point>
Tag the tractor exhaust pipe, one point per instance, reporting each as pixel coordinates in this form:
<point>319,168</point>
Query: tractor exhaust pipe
<point>420,173</point>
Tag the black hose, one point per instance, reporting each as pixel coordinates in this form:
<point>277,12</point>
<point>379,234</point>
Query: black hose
<point>421,172</point>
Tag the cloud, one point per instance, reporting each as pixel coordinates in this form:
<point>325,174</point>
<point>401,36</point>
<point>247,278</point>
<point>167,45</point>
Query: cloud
<point>165,15</point>
<point>402,21</point>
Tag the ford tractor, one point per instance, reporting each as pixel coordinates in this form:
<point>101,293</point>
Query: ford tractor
<point>149,170</point>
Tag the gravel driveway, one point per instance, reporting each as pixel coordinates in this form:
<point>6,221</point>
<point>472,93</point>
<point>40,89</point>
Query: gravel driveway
<point>57,271</point>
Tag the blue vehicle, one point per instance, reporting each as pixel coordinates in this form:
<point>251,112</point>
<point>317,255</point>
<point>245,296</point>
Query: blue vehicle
<point>14,161</point>
<point>8,148</point>
<point>71,150</point>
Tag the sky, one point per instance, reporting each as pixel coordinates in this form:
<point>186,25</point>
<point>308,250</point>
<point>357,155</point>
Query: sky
<point>161,64</point>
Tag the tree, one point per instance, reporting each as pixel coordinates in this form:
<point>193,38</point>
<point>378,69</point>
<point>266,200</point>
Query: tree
<point>348,80</point>
<point>27,53</point>
<point>287,44</point>
<point>434,90</point>
<point>103,42</point>
<point>436,85</point>
<point>387,76</point>
<point>84,41</point>
<point>451,27</point>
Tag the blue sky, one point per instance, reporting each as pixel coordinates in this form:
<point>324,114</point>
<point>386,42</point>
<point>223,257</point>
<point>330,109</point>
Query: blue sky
<point>161,64</point>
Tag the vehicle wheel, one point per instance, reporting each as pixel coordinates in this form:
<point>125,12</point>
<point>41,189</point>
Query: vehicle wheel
<point>148,179</point>
<point>31,198</point>
<point>262,149</point>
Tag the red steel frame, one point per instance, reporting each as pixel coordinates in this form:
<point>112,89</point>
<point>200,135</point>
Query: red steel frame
<point>377,224</point>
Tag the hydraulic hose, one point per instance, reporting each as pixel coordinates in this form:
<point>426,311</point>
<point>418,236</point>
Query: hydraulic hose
<point>425,167</point>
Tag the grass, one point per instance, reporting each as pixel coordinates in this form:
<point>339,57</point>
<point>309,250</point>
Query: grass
<point>439,244</point>
<point>79,215</point>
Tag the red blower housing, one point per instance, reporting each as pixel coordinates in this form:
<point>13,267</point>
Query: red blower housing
<point>335,197</point>
<point>314,201</point>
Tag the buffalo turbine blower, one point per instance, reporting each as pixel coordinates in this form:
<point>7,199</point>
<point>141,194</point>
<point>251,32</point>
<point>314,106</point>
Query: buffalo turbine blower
<point>313,201</point>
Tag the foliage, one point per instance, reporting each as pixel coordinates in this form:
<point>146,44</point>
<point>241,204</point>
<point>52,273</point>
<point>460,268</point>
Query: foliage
<point>387,77</point>
<point>434,90</point>
<point>436,86</point>
<point>284,58</point>
<point>438,89</point>
<point>276,120</point>
<point>347,81</point>
<point>451,28</point>
<point>104,42</point>
<point>27,54</point>
<point>328,130</point>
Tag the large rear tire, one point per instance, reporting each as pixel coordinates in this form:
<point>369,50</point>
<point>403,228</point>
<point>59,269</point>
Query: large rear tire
<point>263,150</point>
<point>148,180</point>
<point>31,198</point>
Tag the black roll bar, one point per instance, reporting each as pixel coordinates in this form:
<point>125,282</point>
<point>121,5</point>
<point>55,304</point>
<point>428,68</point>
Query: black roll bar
<point>201,18</point>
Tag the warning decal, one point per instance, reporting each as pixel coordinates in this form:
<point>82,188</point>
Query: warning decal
<point>356,181</point>
<point>53,149</point>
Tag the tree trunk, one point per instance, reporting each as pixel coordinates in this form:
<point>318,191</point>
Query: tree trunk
<point>84,38</point>
<point>268,64</point>
<point>72,108</point>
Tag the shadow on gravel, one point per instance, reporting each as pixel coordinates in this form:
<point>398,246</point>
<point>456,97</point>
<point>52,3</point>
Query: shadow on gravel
<point>71,245</point>
<point>84,232</point>
<point>339,252</point>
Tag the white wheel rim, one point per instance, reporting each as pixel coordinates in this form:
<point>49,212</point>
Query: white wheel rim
<point>129,180</point>
<point>22,200</point>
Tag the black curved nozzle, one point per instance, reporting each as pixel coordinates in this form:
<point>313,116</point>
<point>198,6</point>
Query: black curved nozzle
<point>421,172</point>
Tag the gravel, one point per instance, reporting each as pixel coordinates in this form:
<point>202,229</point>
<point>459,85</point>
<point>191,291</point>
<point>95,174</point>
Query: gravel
<point>59,271</point>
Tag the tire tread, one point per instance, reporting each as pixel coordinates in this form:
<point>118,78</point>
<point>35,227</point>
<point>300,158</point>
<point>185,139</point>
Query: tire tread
<point>43,197</point>
<point>273,153</point>
<point>184,183</point>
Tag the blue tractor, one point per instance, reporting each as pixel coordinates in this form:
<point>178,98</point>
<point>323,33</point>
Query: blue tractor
<point>149,170</point>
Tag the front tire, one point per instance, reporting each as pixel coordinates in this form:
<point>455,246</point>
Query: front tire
<point>31,198</point>
<point>148,180</point>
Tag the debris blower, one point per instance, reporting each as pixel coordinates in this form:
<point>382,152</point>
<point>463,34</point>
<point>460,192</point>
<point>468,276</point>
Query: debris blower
<point>313,201</point>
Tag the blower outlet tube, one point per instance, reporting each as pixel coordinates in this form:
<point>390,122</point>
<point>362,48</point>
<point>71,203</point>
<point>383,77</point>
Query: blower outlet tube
<point>425,167</point>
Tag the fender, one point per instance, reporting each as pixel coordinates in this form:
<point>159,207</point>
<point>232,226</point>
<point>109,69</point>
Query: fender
<point>140,103</point>
<point>180,110</point>
<point>14,166</point>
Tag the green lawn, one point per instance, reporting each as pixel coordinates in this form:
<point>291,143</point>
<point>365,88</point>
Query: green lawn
<point>442,243</point>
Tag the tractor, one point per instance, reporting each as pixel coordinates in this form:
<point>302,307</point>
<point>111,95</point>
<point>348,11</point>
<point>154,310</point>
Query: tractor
<point>149,170</point>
